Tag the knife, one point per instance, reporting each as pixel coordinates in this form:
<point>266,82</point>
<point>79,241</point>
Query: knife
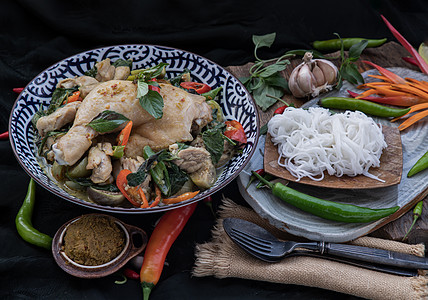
<point>366,257</point>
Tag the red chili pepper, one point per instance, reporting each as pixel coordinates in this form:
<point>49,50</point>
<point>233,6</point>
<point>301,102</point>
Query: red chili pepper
<point>200,88</point>
<point>410,60</point>
<point>130,274</point>
<point>235,131</point>
<point>18,90</point>
<point>209,202</point>
<point>4,135</point>
<point>165,233</point>
<point>280,110</point>
<point>153,87</point>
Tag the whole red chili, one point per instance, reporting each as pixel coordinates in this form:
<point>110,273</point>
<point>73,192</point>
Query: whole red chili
<point>130,274</point>
<point>4,135</point>
<point>18,90</point>
<point>200,88</point>
<point>280,110</point>
<point>165,233</point>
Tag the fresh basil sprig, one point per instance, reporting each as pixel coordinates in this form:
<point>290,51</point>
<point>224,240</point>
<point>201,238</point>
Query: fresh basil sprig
<point>265,77</point>
<point>348,69</point>
<point>107,121</point>
<point>150,99</point>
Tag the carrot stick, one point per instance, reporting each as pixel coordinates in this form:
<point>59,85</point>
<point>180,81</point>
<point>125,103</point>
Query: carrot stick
<point>158,197</point>
<point>182,197</point>
<point>144,203</point>
<point>390,75</point>
<point>420,61</point>
<point>413,119</point>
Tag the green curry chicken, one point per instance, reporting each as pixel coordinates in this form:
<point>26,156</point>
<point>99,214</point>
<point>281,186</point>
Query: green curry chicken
<point>115,134</point>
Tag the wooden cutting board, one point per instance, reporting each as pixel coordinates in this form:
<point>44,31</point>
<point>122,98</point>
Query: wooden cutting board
<point>388,55</point>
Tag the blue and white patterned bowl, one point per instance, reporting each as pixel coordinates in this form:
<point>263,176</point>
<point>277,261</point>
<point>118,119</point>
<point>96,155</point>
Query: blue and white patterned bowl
<point>236,102</point>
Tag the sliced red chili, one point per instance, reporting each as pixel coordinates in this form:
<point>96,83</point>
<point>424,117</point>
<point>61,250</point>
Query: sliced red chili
<point>200,88</point>
<point>154,87</point>
<point>235,131</point>
<point>122,183</point>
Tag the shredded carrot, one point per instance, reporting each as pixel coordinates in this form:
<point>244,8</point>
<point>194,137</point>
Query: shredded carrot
<point>413,119</point>
<point>158,197</point>
<point>182,197</point>
<point>144,203</point>
<point>73,97</point>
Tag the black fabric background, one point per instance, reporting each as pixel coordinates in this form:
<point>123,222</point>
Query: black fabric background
<point>36,34</point>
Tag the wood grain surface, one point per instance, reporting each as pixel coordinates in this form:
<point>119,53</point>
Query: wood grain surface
<point>388,55</point>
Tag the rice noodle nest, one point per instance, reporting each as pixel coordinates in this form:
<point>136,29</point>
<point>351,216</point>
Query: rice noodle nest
<point>315,140</point>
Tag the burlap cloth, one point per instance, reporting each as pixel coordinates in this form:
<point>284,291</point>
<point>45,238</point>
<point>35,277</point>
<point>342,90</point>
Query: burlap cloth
<point>221,258</point>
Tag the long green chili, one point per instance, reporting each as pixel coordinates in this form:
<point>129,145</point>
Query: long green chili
<point>23,221</point>
<point>364,106</point>
<point>419,166</point>
<point>336,44</point>
<point>326,209</point>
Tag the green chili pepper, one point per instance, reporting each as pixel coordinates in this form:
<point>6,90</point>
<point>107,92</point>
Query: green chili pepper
<point>417,212</point>
<point>326,209</point>
<point>420,165</point>
<point>336,44</point>
<point>364,106</point>
<point>23,221</point>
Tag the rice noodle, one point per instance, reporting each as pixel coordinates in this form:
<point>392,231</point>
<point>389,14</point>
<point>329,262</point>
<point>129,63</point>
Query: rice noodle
<point>313,141</point>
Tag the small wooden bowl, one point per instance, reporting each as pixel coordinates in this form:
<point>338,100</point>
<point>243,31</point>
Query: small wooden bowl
<point>129,251</point>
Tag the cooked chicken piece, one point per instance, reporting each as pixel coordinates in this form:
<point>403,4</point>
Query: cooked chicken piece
<point>181,110</point>
<point>116,95</point>
<point>67,83</point>
<point>192,159</point>
<point>122,73</point>
<point>105,71</point>
<point>86,84</point>
<point>131,164</point>
<point>57,119</point>
<point>197,162</point>
<point>100,163</point>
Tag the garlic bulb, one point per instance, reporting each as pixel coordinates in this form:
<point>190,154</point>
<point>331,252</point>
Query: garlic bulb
<point>312,77</point>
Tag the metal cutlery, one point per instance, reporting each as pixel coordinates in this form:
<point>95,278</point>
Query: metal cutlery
<point>263,245</point>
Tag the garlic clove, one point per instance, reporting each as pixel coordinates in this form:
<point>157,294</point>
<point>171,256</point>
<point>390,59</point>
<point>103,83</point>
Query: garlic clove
<point>292,84</point>
<point>329,70</point>
<point>305,79</point>
<point>319,75</point>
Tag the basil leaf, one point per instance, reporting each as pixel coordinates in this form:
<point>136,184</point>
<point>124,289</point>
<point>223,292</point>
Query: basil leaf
<point>142,88</point>
<point>213,141</point>
<point>140,175</point>
<point>352,74</point>
<point>122,63</point>
<point>262,100</point>
<point>152,102</point>
<point>356,50</point>
<point>277,80</point>
<point>271,70</point>
<point>263,130</point>
<point>264,40</point>
<point>177,178</point>
<point>107,121</point>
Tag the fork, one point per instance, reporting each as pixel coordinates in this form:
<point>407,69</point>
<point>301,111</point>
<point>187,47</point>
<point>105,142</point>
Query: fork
<point>265,246</point>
